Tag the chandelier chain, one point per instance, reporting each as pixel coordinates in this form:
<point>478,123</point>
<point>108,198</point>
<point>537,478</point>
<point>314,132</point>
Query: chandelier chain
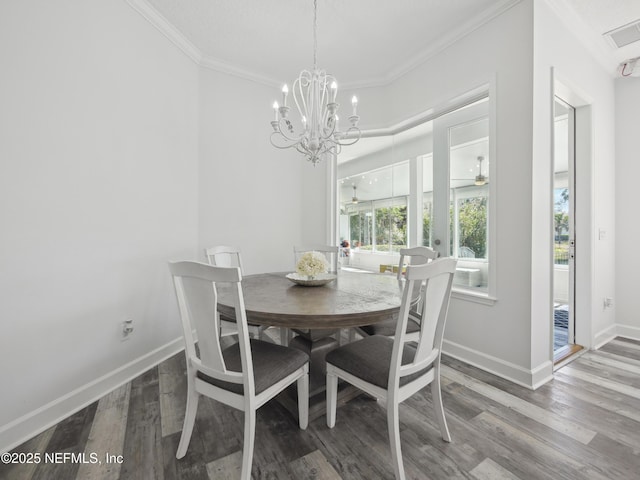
<point>315,34</point>
<point>314,95</point>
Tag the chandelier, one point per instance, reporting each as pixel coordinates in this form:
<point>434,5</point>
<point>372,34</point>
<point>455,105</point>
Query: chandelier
<point>314,94</point>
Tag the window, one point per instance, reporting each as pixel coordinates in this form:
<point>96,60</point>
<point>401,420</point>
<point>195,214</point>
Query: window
<point>375,204</point>
<point>391,225</point>
<point>470,214</point>
<point>438,195</point>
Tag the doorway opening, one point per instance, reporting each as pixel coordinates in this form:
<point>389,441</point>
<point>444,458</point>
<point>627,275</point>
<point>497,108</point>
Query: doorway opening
<point>564,236</point>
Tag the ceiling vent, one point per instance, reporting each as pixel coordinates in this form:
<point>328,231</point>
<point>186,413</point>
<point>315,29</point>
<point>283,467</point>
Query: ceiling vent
<point>625,35</point>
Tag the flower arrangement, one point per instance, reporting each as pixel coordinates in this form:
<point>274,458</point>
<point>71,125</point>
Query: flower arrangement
<point>312,264</point>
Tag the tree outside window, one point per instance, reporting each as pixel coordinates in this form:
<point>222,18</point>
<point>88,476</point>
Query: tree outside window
<point>561,226</point>
<point>391,228</point>
<point>472,227</point>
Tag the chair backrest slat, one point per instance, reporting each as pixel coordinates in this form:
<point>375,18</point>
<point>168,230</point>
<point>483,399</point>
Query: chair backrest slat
<point>224,256</point>
<point>435,279</point>
<point>416,256</point>
<point>195,285</point>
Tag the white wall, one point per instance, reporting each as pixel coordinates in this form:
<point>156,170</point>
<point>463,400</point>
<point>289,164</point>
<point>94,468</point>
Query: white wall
<point>592,89</point>
<point>627,301</point>
<point>251,194</point>
<point>496,337</point>
<point>98,190</point>
<point>513,336</point>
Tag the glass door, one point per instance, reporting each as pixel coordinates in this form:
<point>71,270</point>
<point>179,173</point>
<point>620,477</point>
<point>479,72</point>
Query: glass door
<point>564,227</point>
<point>459,202</point>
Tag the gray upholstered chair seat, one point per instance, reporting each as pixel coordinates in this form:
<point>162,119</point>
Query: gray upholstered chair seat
<point>371,363</point>
<point>271,363</point>
<point>388,327</point>
<point>370,359</point>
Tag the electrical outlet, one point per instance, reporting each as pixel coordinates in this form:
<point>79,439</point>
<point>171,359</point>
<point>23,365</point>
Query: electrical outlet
<point>127,328</point>
<point>608,302</point>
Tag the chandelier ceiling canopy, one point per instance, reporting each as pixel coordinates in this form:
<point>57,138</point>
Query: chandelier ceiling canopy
<point>314,94</point>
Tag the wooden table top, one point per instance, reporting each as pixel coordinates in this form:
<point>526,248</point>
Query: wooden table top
<point>353,299</point>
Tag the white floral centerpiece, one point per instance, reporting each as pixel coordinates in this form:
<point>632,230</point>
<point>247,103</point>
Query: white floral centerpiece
<point>312,264</point>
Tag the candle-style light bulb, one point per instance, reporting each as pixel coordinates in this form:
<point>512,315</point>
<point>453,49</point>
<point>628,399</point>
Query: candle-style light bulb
<point>354,104</point>
<point>334,91</point>
<point>285,93</point>
<point>275,110</point>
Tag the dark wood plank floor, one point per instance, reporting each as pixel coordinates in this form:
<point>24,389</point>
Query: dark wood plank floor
<point>585,424</point>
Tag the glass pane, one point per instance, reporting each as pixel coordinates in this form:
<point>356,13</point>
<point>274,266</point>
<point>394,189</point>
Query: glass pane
<point>373,209</point>
<point>427,217</point>
<point>563,311</point>
<point>472,227</point>
<point>469,190</point>
<point>427,200</point>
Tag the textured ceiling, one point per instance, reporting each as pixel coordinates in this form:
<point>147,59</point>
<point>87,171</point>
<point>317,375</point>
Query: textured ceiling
<point>601,16</point>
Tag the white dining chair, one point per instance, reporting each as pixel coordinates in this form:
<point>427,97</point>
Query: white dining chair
<point>244,375</point>
<point>408,256</point>
<point>393,369</point>
<point>228,256</point>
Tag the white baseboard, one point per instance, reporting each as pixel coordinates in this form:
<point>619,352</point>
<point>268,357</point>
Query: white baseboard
<point>33,423</point>
<point>531,379</point>
<point>605,336</point>
<point>628,331</point>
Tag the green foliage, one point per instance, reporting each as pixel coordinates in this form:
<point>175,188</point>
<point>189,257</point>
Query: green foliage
<point>561,253</point>
<point>426,227</point>
<point>561,223</point>
<point>391,227</point>
<point>472,224</point>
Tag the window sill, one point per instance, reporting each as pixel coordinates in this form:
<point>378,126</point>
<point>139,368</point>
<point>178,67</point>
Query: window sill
<point>473,296</point>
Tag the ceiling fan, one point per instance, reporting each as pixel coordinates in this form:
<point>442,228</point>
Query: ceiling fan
<point>479,179</point>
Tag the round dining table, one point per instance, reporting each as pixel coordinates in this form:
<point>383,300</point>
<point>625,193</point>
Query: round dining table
<point>316,314</point>
<point>353,299</point>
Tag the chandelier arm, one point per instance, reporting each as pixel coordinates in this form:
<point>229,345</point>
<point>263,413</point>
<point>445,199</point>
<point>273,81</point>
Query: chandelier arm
<point>288,143</point>
<point>303,151</point>
<point>348,143</point>
<point>352,140</point>
<point>289,138</point>
<point>315,94</point>
<point>298,93</point>
<point>281,147</point>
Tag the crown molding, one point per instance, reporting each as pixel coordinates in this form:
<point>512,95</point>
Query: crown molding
<point>167,29</point>
<point>219,66</point>
<point>445,42</point>
<point>156,19</point>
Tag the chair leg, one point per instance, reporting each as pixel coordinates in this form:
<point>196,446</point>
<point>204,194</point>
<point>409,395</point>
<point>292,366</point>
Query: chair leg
<point>393,423</point>
<point>249,439</point>
<point>436,398</point>
<point>303,399</point>
<point>332,398</point>
<point>189,421</point>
